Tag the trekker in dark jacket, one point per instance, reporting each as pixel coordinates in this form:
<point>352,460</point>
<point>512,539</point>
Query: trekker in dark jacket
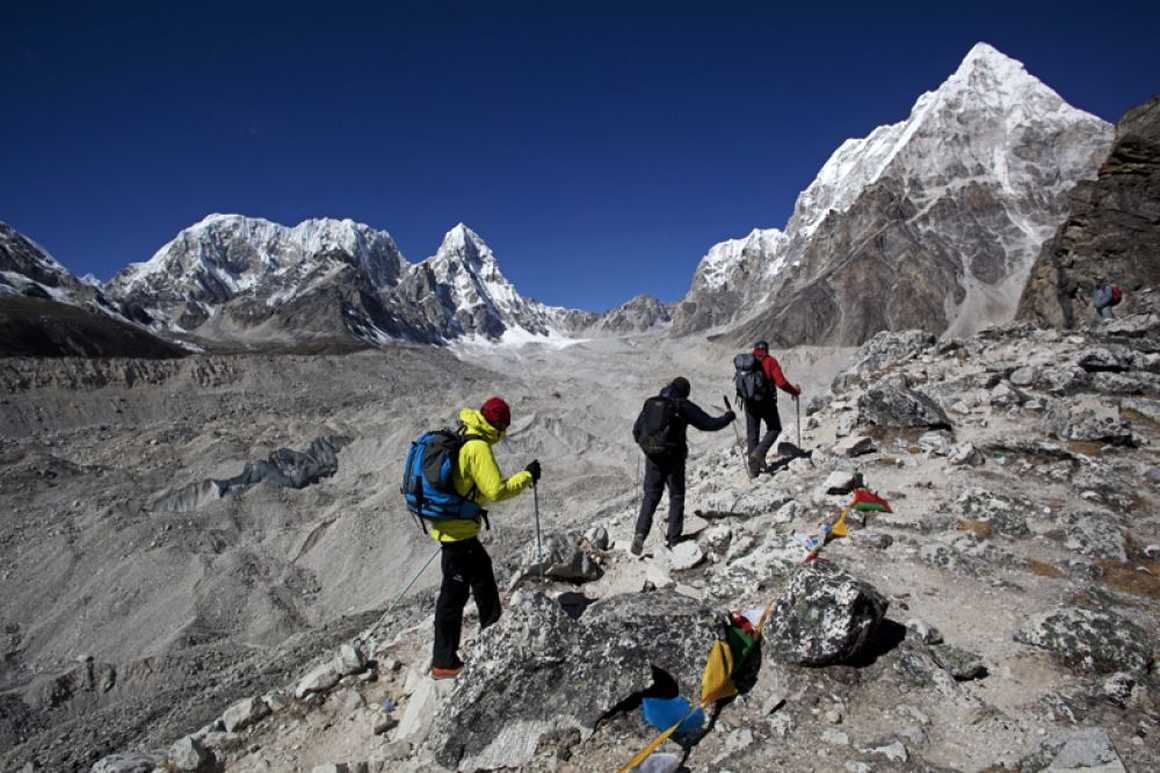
<point>765,410</point>
<point>668,467</point>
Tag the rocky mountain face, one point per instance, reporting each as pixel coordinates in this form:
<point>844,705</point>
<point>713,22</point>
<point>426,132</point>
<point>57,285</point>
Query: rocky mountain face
<point>46,311</point>
<point>1112,233</point>
<point>637,315</point>
<point>930,223</point>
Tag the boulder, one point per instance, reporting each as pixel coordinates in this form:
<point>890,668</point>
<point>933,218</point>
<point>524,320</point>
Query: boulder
<point>937,442</point>
<point>1024,377</point>
<point>188,754</point>
<point>1005,514</point>
<point>1088,750</point>
<point>825,616</point>
<point>352,658</point>
<point>562,559</point>
<point>525,672</point>
<point>965,454</point>
<point>244,713</point>
<point>1004,396</point>
<point>1089,641</point>
<point>1087,420</point>
<point>895,406</point>
<point>776,554</point>
<point>959,663</point>
<point>855,445</point>
<point>319,679</point>
<point>684,555</point>
<point>422,708</point>
<point>597,537</point>
<point>750,503</point>
<point>840,482</point>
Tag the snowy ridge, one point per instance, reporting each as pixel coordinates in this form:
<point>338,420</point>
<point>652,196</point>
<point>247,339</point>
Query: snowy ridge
<point>982,166</point>
<point>987,81</point>
<point>715,268</point>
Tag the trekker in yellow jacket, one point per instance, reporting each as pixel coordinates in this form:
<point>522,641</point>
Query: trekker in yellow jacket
<point>466,565</point>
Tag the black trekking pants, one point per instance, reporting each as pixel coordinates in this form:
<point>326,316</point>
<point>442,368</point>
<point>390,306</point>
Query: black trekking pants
<point>756,445</point>
<point>466,570</point>
<point>659,473</point>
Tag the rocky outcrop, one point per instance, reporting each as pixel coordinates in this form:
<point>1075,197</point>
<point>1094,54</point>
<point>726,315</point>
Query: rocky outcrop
<point>521,682</point>
<point>637,315</point>
<point>894,406</point>
<point>1111,235</point>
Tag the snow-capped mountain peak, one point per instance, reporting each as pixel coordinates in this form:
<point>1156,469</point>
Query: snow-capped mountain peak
<point>717,266</point>
<point>964,129</point>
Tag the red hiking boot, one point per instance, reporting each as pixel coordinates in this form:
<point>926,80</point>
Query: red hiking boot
<point>446,673</point>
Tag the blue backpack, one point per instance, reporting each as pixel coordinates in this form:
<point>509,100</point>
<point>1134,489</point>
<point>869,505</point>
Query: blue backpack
<point>427,486</point>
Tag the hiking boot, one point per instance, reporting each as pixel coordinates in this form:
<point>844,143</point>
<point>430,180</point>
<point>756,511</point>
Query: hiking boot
<point>637,544</point>
<point>446,673</point>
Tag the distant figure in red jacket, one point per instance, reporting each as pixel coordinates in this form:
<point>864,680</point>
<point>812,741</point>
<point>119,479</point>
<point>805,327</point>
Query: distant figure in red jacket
<point>761,406</point>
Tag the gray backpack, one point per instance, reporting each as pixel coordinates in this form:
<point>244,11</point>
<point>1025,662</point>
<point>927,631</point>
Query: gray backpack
<point>752,386</point>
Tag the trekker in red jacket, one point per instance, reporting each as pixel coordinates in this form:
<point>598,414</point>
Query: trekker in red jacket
<point>765,410</point>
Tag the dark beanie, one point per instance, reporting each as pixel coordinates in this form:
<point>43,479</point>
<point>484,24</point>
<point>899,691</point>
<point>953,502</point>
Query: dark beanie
<point>497,413</point>
<point>762,345</point>
<point>681,386</point>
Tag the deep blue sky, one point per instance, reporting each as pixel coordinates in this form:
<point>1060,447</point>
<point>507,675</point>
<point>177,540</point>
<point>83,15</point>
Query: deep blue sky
<point>600,153</point>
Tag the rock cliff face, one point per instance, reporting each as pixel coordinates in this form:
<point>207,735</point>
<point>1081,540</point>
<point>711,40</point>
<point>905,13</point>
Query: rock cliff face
<point>931,223</point>
<point>636,315</point>
<point>1112,234</point>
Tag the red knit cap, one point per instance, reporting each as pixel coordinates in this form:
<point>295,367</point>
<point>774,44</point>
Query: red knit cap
<point>497,413</point>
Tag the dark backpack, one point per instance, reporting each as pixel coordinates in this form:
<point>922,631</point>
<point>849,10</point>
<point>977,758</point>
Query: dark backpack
<point>427,486</point>
<point>656,426</point>
<point>1117,296</point>
<point>752,386</point>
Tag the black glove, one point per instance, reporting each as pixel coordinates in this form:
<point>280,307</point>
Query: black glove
<point>731,416</point>
<point>534,469</point>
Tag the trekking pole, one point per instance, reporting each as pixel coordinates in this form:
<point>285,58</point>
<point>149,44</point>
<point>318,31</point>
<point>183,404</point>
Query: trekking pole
<point>539,548</point>
<point>797,404</point>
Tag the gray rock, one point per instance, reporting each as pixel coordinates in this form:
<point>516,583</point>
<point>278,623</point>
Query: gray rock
<point>188,754</point>
<point>959,663</point>
<point>894,406</point>
<point>825,616</point>
<point>1089,750</point>
<point>244,713</point>
<point>872,539</point>
<point>1086,420</point>
<point>924,631</point>
<point>716,539</point>
<point>597,536</point>
<point>685,555</point>
<point>524,672</point>
<point>1118,688</point>
<point>1095,535</point>
<point>840,482</point>
<point>1005,396</point>
<point>1100,642</point>
<point>128,762</point>
<point>1024,377</point>
<point>884,349</point>
<point>1100,359</point>
<point>333,767</point>
<point>319,679</point>
<point>965,454</point>
<point>789,512</point>
<point>352,657</point>
<point>890,748</point>
<point>750,503</point>
<point>846,424</point>
<point>422,708</point>
<point>855,445</point>
<point>562,560</point>
<point>1007,514</point>
<point>937,442</point>
<point>835,737</point>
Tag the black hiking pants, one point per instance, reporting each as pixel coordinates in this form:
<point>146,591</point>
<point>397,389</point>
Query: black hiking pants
<point>660,472</point>
<point>466,571</point>
<point>756,445</point>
